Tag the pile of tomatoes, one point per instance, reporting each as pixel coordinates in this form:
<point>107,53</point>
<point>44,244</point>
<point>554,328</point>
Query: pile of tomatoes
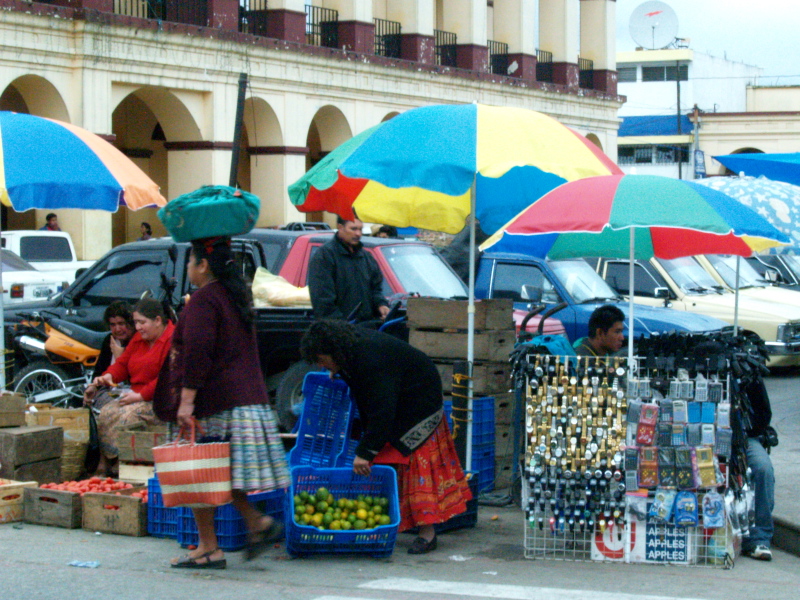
<point>93,485</point>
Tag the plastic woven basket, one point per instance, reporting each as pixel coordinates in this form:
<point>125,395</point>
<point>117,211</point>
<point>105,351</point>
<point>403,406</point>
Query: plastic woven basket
<point>228,523</point>
<point>161,522</point>
<point>343,483</point>
<point>323,435</point>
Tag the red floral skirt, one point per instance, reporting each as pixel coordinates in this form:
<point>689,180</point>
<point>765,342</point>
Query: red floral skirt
<point>432,486</point>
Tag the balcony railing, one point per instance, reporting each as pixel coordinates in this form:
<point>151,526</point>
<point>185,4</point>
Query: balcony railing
<point>544,66</point>
<point>498,57</point>
<point>143,9</point>
<point>445,47</point>
<point>585,73</point>
<point>387,38</point>
<point>253,17</point>
<point>322,26</point>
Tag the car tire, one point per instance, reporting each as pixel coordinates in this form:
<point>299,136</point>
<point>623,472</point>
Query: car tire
<point>39,376</point>
<point>290,393</point>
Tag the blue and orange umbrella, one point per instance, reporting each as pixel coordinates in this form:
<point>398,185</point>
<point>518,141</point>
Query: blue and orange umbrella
<point>417,169</point>
<point>50,165</point>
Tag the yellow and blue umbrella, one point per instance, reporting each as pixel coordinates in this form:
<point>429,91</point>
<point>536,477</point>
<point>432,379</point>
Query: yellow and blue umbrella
<point>50,165</point>
<point>417,169</point>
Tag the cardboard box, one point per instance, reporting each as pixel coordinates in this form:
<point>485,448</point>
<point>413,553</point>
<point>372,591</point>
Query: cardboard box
<point>488,379</point>
<point>12,409</point>
<point>435,313</point>
<point>116,513</point>
<point>12,496</point>
<point>53,507</point>
<point>136,446</point>
<point>27,445</point>
<point>74,421</point>
<point>491,346</point>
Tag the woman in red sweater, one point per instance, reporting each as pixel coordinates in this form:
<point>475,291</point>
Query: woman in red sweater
<point>139,365</point>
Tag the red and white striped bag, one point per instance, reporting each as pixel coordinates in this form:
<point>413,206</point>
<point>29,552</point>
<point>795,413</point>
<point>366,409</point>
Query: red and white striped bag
<point>192,474</point>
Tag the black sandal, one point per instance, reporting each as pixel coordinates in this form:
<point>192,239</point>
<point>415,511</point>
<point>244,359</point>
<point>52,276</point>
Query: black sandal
<point>422,546</point>
<point>259,542</point>
<point>187,562</point>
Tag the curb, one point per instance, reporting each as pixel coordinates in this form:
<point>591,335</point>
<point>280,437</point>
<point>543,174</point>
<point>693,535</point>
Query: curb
<point>786,536</point>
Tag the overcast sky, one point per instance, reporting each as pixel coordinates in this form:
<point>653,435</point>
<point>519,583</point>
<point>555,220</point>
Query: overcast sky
<point>764,33</point>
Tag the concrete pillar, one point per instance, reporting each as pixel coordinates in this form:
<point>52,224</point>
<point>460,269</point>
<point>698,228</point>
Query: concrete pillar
<point>598,41</point>
<point>223,14</point>
<point>467,19</point>
<point>559,33</point>
<point>356,29</point>
<point>416,20</point>
<point>286,20</point>
<point>514,24</point>
<point>271,171</point>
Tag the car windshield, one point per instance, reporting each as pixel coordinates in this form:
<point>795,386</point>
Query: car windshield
<point>422,271</point>
<point>44,248</point>
<point>12,262</point>
<point>725,265</point>
<point>690,276</point>
<point>793,263</point>
<point>582,282</point>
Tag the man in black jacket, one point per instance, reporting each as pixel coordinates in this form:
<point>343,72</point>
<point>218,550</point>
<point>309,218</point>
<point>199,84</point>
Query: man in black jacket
<point>344,280</point>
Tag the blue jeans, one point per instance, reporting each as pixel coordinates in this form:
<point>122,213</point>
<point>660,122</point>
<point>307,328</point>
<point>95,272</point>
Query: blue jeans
<point>763,479</point>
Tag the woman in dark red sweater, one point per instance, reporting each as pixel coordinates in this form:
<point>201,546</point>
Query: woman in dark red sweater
<point>215,370</point>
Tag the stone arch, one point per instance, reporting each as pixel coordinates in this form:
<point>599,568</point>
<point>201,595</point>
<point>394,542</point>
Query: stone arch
<point>262,160</point>
<point>328,129</point>
<point>389,116</point>
<point>34,95</point>
<point>723,170</point>
<point>143,121</point>
<point>595,140</point>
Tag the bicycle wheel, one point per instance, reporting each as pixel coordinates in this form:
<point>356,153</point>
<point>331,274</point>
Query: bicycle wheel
<point>40,376</point>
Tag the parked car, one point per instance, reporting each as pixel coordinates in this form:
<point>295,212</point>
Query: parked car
<point>23,283</point>
<point>723,269</point>
<point>782,269</point>
<point>684,285</point>
<point>48,251</point>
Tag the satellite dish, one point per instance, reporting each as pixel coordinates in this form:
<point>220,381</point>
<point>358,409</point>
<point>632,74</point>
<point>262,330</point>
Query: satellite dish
<point>653,25</point>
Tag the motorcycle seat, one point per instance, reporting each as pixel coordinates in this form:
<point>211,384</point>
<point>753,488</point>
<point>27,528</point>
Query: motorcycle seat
<point>93,339</point>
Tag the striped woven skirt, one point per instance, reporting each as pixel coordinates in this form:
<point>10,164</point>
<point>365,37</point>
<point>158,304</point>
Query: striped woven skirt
<point>258,459</point>
<point>432,486</point>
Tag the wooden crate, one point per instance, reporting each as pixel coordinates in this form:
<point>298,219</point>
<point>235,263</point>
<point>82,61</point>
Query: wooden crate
<point>488,378</point>
<point>504,408</point>
<point>12,409</point>
<point>28,453</point>
<point>503,440</point>
<point>491,346</point>
<point>137,446</point>
<point>74,421</point>
<point>12,496</point>
<point>53,507</point>
<point>116,513</point>
<point>136,473</point>
<point>435,313</point>
<point>503,472</point>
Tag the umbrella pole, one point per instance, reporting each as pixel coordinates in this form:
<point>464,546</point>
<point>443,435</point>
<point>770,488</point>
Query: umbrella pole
<point>736,300</point>
<point>470,322</point>
<point>630,298</point>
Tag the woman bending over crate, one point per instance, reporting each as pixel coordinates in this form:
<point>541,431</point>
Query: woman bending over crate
<point>398,392</point>
<point>214,376</point>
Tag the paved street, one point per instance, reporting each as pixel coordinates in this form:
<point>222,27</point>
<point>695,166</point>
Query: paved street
<point>485,562</point>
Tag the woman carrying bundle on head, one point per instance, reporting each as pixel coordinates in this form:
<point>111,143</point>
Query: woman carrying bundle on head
<point>214,379</point>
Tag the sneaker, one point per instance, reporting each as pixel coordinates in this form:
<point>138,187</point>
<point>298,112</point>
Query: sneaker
<point>759,553</point>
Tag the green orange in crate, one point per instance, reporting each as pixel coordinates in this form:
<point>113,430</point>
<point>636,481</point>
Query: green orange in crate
<point>323,510</point>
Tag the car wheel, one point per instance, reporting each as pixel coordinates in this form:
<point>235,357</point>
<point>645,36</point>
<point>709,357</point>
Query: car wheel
<point>289,395</point>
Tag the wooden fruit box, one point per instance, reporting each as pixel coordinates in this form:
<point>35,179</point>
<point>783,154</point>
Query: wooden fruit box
<point>53,507</point>
<point>12,409</point>
<point>488,379</point>
<point>118,513</point>
<point>74,421</point>
<point>492,346</point>
<point>136,446</point>
<point>12,495</point>
<point>435,313</point>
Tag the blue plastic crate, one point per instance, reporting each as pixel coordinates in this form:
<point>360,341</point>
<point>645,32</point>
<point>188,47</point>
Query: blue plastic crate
<point>161,522</point>
<point>482,419</point>
<point>228,523</point>
<point>323,435</point>
<point>343,483</point>
<point>483,465</point>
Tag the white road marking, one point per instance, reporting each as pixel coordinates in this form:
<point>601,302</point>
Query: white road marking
<point>506,592</point>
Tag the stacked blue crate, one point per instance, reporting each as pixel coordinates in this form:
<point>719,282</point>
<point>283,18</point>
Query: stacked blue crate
<point>482,439</point>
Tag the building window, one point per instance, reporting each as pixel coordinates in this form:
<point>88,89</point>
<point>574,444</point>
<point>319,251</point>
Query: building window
<point>626,75</point>
<point>683,72</point>
<point>652,73</point>
<point>664,73</point>
<point>652,155</point>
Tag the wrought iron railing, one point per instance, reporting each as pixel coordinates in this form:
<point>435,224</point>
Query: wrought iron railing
<point>143,9</point>
<point>322,26</point>
<point>387,38</point>
<point>586,73</point>
<point>498,57</point>
<point>445,47</point>
<point>544,65</point>
<point>253,17</point>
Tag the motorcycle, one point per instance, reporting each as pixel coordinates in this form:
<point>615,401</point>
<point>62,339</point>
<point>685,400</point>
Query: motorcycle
<point>54,358</point>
